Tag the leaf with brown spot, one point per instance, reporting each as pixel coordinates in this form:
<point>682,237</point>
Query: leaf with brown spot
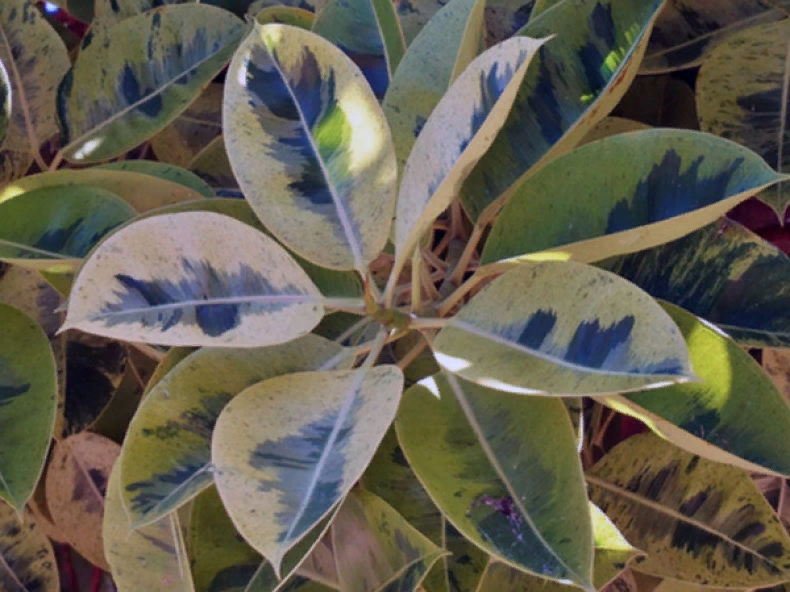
<point>76,485</point>
<point>27,561</point>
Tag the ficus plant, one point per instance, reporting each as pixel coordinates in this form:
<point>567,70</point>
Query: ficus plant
<point>353,295</point>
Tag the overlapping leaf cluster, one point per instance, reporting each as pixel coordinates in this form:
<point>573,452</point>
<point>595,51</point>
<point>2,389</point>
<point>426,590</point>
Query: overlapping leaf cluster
<point>343,295</point>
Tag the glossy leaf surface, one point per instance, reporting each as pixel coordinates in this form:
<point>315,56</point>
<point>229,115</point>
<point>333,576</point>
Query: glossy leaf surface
<point>563,328</point>
<point>165,58</point>
<point>28,399</point>
<point>697,520</point>
<point>196,278</point>
<point>675,182</point>
<point>575,81</point>
<point>296,444</point>
<point>500,485</point>
<point>309,146</point>
<point>27,561</point>
<point>5,102</point>
<point>167,449</point>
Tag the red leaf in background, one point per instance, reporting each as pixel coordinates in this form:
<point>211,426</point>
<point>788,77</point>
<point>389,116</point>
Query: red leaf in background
<point>754,215</point>
<point>778,236</point>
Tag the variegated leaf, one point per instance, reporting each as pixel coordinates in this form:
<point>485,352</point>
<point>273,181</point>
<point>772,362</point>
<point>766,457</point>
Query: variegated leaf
<point>376,548</point>
<point>167,449</point>
<point>432,62</point>
<point>296,444</point>
<point>742,95</point>
<point>28,400</point>
<point>287,15</point>
<point>500,485</point>
<point>458,132</point>
<point>310,147</point>
<point>578,207</point>
<point>13,166</point>
<point>611,126</point>
<point>6,99</point>
<point>563,328</point>
<point>112,100</point>
<point>504,18</point>
<point>687,30</point>
<point>575,81</point>
<point>696,520</point>
<point>168,172</point>
<point>194,279</point>
<point>114,11</point>
<point>35,60</point>
<point>27,561</point>
<point>151,558</point>
<point>213,166</point>
<point>53,228</point>
<point>723,273</point>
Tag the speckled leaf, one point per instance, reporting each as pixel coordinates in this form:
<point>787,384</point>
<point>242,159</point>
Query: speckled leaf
<point>191,131</point>
<point>574,81</point>
<point>53,228</point>
<point>13,165</point>
<point>376,549</point>
<point>213,166</point>
<point>296,444</point>
<point>723,273</point>
<point>287,15</point>
<point>168,172</point>
<point>742,94</point>
<point>27,561</point>
<point>111,100</point>
<point>500,485</point>
<point>368,32</point>
<point>167,450</point>
<point>331,282</point>
<point>114,11</point>
<point>142,192</point>
<point>735,415</point>
<point>193,279</point>
<point>563,328</point>
<point>504,18</point>
<point>414,14</point>
<point>458,132</point>
<point>76,485</point>
<point>697,520</point>
<point>151,558</point>
<point>582,207</point>
<point>309,146</point>
<point>687,29</point>
<point>5,102</point>
<point>611,126</point>
<point>35,59</point>
<point>28,400</point>
<point>441,51</point>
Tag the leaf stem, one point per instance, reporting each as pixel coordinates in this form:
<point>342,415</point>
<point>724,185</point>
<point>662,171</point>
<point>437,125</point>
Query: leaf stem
<point>463,262</point>
<point>428,323</point>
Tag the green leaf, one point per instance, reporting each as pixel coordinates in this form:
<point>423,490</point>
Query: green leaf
<point>611,126</point>
<point>28,400</point>
<point>499,484</point>
<point>376,548</point>
<point>742,96</point>
<point>53,228</point>
<point>332,283</point>
<point>167,449</point>
<point>6,101</point>
<point>735,415</point>
<point>458,132</point>
<point>114,11</point>
<point>193,279</point>
<point>287,15</point>
<point>35,60</point>
<point>296,444</point>
<point>723,273</point>
<point>576,80</point>
<point>504,18</point>
<point>368,32</point>
<point>580,206</point>
<point>213,166</point>
<point>436,57</point>
<point>155,65</point>
<point>310,147</point>
<point>142,192</point>
<point>145,559</point>
<point>563,328</point>
<point>687,30</point>
<point>697,520</point>
<point>26,554</point>
<point>162,170</point>
<point>192,130</point>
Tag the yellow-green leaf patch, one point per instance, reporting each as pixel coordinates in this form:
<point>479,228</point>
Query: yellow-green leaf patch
<point>582,207</point>
<point>499,484</point>
<point>167,450</point>
<point>575,81</point>
<point>28,400</point>
<point>286,15</point>
<point>169,172</point>
<point>111,100</point>
<point>697,520</point>
<point>27,561</point>
<point>193,279</point>
<point>295,445</point>
<point>310,146</point>
<point>563,328</point>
